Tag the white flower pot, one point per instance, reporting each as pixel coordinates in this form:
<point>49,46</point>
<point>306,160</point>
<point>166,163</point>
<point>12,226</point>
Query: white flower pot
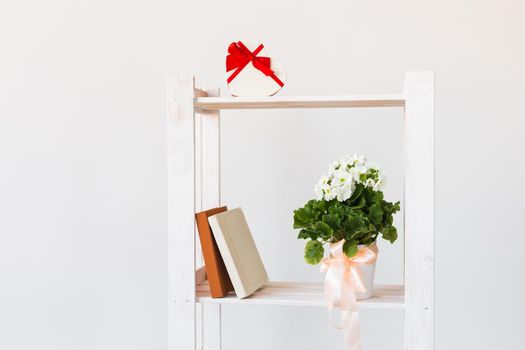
<point>367,275</point>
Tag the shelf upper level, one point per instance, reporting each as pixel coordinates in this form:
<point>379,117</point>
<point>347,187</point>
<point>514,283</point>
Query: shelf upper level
<point>346,101</point>
<point>304,294</point>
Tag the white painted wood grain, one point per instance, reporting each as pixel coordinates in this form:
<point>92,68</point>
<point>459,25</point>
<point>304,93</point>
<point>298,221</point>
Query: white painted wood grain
<point>181,209</point>
<point>199,176</point>
<point>199,331</point>
<point>304,294</point>
<point>211,326</point>
<point>209,140</point>
<point>300,102</point>
<point>211,146</point>
<point>200,274</point>
<point>419,211</point>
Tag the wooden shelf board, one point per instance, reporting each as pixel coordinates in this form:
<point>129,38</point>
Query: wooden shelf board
<point>304,294</point>
<point>350,101</point>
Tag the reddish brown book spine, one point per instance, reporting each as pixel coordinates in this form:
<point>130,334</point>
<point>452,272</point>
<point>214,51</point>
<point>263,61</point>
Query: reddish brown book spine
<point>218,278</point>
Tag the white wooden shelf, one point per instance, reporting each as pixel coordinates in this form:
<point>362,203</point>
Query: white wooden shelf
<point>194,184</point>
<point>304,294</point>
<point>347,101</point>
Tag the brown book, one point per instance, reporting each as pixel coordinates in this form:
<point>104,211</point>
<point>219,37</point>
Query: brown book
<point>218,278</point>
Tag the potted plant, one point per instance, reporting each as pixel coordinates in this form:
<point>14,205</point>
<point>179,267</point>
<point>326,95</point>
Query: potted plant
<point>350,213</point>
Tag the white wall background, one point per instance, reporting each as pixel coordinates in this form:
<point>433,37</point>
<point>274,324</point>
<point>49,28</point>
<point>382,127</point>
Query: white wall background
<point>82,176</point>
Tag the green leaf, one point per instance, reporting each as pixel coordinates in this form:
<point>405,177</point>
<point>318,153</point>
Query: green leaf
<point>357,193</point>
<point>332,220</point>
<point>297,223</point>
<point>360,203</point>
<point>302,217</point>
<point>373,196</point>
<point>337,209</point>
<point>396,207</point>
<point>389,233</point>
<point>318,206</point>
<point>303,234</point>
<point>308,233</point>
<point>300,214</point>
<point>355,223</point>
<point>359,220</point>
<point>350,248</point>
<point>324,230</point>
<point>313,252</point>
<point>375,213</point>
<point>368,240</point>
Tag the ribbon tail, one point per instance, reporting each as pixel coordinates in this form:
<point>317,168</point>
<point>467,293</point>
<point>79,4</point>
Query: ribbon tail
<point>342,280</point>
<point>334,273</point>
<point>349,315</point>
<point>263,64</point>
<point>330,302</point>
<point>351,331</point>
<point>276,79</point>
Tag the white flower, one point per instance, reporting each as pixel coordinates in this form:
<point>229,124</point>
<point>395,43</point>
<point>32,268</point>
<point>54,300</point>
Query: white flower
<point>329,194</point>
<point>332,168</point>
<point>321,187</point>
<point>340,176</point>
<point>344,191</point>
<point>345,164</point>
<point>369,183</point>
<point>381,181</point>
<point>357,159</point>
<point>359,170</point>
<point>343,176</point>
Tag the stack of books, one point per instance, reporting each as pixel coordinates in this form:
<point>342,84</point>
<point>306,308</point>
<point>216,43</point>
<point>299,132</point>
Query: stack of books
<point>230,254</point>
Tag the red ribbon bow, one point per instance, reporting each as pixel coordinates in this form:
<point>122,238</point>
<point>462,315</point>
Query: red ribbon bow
<point>239,56</point>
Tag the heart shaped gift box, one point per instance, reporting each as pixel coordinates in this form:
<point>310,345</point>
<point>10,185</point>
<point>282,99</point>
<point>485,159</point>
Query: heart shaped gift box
<point>251,72</point>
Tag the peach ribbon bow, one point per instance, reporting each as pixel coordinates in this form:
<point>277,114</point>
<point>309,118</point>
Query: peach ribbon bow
<point>343,279</point>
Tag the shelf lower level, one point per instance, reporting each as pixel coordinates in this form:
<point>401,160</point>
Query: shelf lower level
<point>304,294</point>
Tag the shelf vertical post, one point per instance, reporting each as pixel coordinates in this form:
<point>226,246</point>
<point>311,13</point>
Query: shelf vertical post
<point>181,210</point>
<point>419,210</point>
<point>208,185</point>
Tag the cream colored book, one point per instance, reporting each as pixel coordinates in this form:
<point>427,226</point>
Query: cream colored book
<point>238,251</point>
